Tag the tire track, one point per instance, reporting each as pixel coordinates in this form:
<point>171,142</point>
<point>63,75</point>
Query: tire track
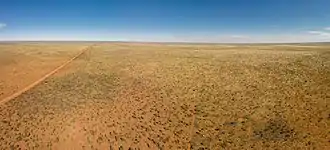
<point>18,93</point>
<point>192,127</point>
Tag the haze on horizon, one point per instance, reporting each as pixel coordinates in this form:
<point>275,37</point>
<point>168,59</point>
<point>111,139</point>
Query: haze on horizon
<point>210,21</point>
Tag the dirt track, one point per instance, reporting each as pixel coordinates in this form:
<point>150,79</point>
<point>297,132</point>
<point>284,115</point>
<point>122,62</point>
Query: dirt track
<point>21,64</point>
<point>121,96</point>
<point>21,91</point>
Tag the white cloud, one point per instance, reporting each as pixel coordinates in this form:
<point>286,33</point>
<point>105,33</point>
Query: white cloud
<point>327,28</point>
<point>239,36</point>
<point>276,38</point>
<point>314,32</point>
<point>305,36</point>
<point>259,38</point>
<point>320,33</point>
<point>2,25</point>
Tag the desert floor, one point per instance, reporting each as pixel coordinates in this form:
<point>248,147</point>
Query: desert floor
<point>165,96</point>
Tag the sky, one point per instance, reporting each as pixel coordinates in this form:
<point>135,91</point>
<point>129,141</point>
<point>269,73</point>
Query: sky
<point>209,21</point>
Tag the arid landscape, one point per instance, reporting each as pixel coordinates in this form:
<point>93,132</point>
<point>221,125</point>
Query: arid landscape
<point>165,96</point>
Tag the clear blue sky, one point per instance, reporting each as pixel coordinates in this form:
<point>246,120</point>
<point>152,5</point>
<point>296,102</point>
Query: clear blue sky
<point>166,20</point>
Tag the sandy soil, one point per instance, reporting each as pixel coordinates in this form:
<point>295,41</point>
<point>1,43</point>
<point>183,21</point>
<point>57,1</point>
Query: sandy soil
<point>23,63</point>
<point>137,96</point>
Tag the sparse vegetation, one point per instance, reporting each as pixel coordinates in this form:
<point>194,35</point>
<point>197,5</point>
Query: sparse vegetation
<point>163,96</point>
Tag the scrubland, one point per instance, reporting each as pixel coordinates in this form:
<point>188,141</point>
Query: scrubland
<point>166,96</point>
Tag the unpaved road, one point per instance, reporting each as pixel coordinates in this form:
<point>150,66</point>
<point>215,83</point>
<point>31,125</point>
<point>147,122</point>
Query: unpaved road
<point>137,96</point>
<point>21,64</point>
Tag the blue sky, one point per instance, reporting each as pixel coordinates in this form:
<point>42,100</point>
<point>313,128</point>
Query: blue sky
<point>220,21</point>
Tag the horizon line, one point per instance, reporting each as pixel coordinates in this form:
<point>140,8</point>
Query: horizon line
<point>163,42</point>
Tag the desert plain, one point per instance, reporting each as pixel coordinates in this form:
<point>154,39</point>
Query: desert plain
<point>163,96</point>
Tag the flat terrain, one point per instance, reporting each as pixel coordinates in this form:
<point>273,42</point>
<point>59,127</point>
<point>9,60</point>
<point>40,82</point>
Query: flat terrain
<point>23,63</point>
<point>168,96</point>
